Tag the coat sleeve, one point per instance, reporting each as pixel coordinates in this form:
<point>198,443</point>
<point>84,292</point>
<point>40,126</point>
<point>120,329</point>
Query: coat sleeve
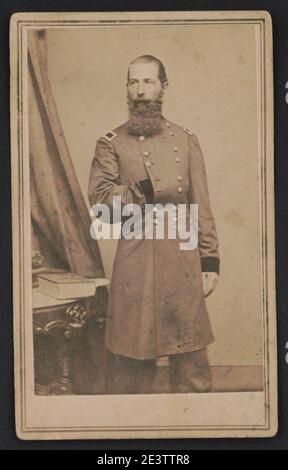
<point>104,179</point>
<point>199,194</point>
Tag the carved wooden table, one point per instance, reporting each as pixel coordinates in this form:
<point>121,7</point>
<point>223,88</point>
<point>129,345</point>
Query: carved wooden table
<point>57,325</point>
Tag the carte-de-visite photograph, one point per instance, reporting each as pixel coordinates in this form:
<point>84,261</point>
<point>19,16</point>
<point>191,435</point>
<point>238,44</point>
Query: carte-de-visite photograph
<point>143,225</point>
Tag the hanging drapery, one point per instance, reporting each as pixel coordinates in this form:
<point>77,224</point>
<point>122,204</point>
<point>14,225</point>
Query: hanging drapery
<point>60,217</point>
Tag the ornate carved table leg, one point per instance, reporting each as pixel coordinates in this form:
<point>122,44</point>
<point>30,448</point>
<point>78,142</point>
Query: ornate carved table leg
<point>61,330</point>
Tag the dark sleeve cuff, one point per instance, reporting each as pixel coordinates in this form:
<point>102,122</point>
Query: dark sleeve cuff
<point>147,189</point>
<point>210,264</point>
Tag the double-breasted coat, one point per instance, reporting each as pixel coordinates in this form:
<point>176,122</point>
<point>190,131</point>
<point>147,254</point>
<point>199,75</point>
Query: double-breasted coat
<point>156,304</point>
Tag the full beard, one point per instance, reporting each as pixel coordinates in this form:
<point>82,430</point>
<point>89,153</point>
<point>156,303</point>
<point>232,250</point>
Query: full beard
<point>145,117</point>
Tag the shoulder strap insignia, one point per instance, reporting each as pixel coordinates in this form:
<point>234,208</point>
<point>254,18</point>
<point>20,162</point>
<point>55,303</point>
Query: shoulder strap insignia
<point>109,136</point>
<point>187,131</point>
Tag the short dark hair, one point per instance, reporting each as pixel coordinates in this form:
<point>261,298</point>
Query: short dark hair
<point>145,59</point>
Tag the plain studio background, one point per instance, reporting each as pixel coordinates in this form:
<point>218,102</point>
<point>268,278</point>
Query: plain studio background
<point>213,90</point>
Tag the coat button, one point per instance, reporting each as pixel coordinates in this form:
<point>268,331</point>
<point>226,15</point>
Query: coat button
<point>175,149</point>
<point>168,124</point>
<point>177,159</point>
<point>146,154</point>
<point>171,133</point>
<point>141,138</point>
<point>179,178</point>
<point>179,189</point>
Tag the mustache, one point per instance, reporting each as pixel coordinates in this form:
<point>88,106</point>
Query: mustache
<point>141,100</point>
<point>142,106</point>
<point>145,100</point>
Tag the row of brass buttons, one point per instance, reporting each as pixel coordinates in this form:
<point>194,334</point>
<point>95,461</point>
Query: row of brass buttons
<point>148,163</point>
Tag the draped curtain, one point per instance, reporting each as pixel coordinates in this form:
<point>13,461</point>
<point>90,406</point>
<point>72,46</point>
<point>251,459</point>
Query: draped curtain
<point>60,218</point>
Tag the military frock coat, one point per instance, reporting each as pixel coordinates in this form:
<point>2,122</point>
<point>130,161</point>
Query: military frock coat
<point>156,304</point>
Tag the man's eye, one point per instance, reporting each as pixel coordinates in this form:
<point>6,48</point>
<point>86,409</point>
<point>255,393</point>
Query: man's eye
<point>131,82</point>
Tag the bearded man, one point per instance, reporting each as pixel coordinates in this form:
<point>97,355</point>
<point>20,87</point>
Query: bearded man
<point>157,295</point>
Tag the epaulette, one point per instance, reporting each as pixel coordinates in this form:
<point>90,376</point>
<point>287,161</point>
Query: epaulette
<point>109,136</point>
<point>187,131</point>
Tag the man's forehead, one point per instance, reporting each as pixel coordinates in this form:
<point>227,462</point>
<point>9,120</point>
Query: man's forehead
<point>147,69</point>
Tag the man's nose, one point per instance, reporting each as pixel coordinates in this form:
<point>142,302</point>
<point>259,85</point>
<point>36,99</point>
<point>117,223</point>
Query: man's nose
<point>140,91</point>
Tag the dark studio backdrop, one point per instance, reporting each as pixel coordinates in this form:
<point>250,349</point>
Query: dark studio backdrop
<point>279,12</point>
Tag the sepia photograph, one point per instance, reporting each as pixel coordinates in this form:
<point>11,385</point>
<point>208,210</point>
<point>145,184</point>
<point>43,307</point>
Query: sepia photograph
<point>143,225</point>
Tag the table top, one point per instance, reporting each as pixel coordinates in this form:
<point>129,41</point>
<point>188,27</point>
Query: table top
<point>40,300</point>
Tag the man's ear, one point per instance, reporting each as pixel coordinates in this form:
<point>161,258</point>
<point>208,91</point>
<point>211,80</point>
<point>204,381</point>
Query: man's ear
<point>165,85</point>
